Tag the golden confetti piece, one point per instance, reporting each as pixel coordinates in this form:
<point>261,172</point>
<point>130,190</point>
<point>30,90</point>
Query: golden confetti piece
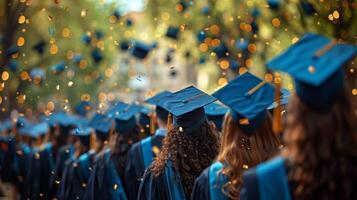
<point>66,32</point>
<point>70,83</point>
<point>21,99</point>
<point>53,49</point>
<point>330,17</point>
<point>57,182</point>
<point>222,81</point>
<point>5,75</point>
<point>224,64</point>
<point>84,185</point>
<point>50,18</point>
<point>21,19</point>
<point>354,92</point>
<point>20,41</point>
<point>276,22</point>
<point>57,87</point>
<point>311,69</point>
<point>84,12</point>
<point>336,14</point>
<point>156,150</point>
<point>245,166</point>
<point>115,186</point>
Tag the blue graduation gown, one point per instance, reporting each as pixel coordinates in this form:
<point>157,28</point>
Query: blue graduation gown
<point>104,181</point>
<point>23,156</point>
<point>139,158</point>
<point>40,168</point>
<point>268,181</point>
<point>165,186</point>
<point>75,176</point>
<point>209,184</point>
<point>63,154</point>
<point>9,165</point>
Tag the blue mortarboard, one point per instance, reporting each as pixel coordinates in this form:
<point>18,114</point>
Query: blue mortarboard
<point>315,64</point>
<point>21,122</point>
<point>308,8</point>
<point>40,47</point>
<point>86,39</point>
<point>201,36</point>
<point>124,45</point>
<point>116,14</point>
<point>129,22</point>
<point>12,65</point>
<point>186,106</point>
<point>172,32</point>
<point>38,73</point>
<point>140,50</point>
<point>58,68</point>
<point>274,4</point>
<point>38,130</point>
<point>154,100</point>
<point>154,45</point>
<point>101,124</point>
<point>206,10</point>
<point>215,112</point>
<point>255,12</point>
<point>96,55</point>
<point>284,99</point>
<point>83,133</point>
<point>242,44</point>
<point>202,60</point>
<point>248,97</point>
<point>11,51</point>
<point>99,34</point>
<point>221,51</point>
<point>124,115</point>
<point>83,107</point>
<point>77,58</point>
<point>255,27</point>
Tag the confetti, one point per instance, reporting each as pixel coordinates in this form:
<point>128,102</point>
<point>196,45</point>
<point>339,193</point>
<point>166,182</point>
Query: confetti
<point>57,87</point>
<point>84,12</point>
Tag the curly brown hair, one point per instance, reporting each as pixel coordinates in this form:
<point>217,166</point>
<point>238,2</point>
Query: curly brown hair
<point>190,154</point>
<point>240,151</point>
<point>321,147</point>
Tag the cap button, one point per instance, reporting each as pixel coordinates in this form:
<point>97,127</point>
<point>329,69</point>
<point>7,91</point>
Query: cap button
<point>311,69</point>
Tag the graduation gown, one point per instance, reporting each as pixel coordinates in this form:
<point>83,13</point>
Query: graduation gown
<point>165,186</point>
<point>139,158</point>
<point>23,156</point>
<point>267,181</point>
<point>63,154</point>
<point>41,166</point>
<point>104,181</point>
<point>9,164</point>
<point>75,176</point>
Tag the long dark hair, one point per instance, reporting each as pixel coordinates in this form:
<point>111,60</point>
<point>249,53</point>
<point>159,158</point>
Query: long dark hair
<point>239,151</point>
<point>190,154</point>
<point>322,150</point>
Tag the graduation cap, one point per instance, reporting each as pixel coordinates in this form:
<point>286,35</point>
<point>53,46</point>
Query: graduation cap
<point>242,44</point>
<point>96,55</point>
<point>116,14</point>
<point>11,51</point>
<point>99,34</point>
<point>315,62</point>
<point>274,4</point>
<point>58,68</point>
<point>83,133</point>
<point>38,73</point>
<point>40,47</point>
<point>308,8</point>
<point>124,115</point>
<point>186,106</point>
<point>140,50</point>
<point>129,22</point>
<point>12,65</point>
<point>201,36</point>
<point>255,12</point>
<point>248,97</point>
<point>221,51</point>
<point>206,10</point>
<point>255,27</point>
<point>215,112</point>
<point>37,130</point>
<point>202,60</point>
<point>154,100</point>
<point>21,122</point>
<point>77,58</point>
<point>86,39</point>
<point>124,45</point>
<point>101,124</point>
<point>172,32</point>
<point>83,108</point>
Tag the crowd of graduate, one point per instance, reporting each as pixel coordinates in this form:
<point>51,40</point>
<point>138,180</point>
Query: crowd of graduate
<point>258,142</point>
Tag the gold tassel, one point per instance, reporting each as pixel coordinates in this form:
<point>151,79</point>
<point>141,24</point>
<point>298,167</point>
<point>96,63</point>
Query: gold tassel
<point>277,124</point>
<point>92,143</point>
<point>169,122</point>
<point>152,123</point>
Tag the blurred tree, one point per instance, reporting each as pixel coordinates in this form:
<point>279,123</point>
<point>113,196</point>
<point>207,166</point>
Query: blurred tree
<point>55,52</point>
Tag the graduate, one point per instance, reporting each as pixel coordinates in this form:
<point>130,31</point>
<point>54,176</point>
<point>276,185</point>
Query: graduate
<point>215,112</point>
<point>104,181</point>
<point>71,186</point>
<point>66,149</point>
<point>141,154</point>
<point>189,147</point>
<point>320,133</point>
<point>247,139</point>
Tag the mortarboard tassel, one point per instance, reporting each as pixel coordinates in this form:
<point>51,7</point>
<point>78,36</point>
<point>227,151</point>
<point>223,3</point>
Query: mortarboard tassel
<point>277,125</point>
<point>92,144</point>
<point>152,123</point>
<point>169,122</point>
